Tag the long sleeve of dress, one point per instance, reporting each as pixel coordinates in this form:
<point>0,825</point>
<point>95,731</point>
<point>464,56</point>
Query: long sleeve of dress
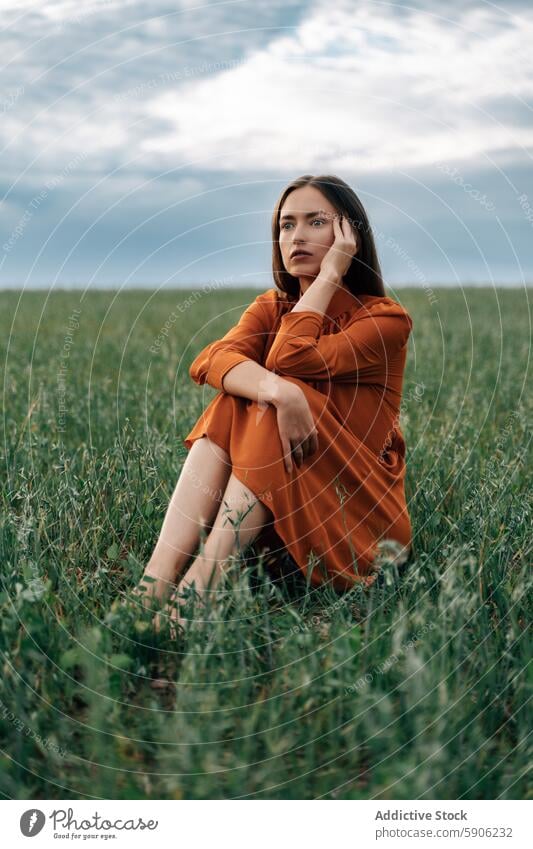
<point>245,341</point>
<point>361,351</point>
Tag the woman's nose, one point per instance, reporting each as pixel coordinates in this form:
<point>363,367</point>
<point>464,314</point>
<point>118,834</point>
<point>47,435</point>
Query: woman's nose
<point>298,233</point>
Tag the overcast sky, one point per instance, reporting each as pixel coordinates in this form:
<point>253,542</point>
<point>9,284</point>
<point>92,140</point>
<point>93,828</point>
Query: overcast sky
<point>145,143</point>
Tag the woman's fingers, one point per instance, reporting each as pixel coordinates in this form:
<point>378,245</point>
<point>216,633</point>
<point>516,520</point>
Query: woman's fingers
<point>286,447</point>
<point>348,231</point>
<point>311,444</point>
<point>298,454</point>
<point>297,449</point>
<point>306,448</point>
<point>351,237</point>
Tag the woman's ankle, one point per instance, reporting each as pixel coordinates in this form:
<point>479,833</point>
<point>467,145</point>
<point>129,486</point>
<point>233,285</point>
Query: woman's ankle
<point>160,580</point>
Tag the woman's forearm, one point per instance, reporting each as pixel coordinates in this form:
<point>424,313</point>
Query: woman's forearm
<point>250,380</point>
<point>318,295</point>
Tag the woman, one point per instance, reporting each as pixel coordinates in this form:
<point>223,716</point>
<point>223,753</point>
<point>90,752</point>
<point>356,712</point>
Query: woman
<point>303,437</point>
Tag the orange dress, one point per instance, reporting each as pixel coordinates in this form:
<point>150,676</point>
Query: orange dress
<point>332,511</point>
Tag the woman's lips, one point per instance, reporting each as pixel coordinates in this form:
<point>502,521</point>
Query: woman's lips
<point>301,256</point>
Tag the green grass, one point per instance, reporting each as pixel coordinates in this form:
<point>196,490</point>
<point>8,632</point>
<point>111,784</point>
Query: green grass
<point>415,689</point>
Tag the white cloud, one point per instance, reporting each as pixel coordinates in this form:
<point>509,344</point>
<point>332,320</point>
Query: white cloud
<point>60,10</point>
<point>350,88</point>
<point>354,88</point>
<point>78,76</point>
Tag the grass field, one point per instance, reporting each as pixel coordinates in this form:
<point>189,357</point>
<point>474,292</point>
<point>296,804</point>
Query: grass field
<point>417,689</point>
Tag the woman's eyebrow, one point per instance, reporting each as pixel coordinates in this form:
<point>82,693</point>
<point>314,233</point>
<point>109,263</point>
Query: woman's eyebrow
<point>307,214</point>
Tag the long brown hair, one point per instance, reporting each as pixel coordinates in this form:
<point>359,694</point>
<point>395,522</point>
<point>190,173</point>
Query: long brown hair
<point>364,276</point>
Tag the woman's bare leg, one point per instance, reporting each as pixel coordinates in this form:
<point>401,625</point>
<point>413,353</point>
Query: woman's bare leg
<point>193,505</point>
<point>240,518</point>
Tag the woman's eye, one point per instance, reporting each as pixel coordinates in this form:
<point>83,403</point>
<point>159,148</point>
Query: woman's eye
<point>288,223</point>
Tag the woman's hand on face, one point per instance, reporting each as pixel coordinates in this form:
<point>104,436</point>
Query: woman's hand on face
<point>298,434</point>
<point>336,262</point>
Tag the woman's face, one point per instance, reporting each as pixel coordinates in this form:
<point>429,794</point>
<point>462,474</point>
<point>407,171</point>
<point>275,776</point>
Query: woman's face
<point>306,223</point>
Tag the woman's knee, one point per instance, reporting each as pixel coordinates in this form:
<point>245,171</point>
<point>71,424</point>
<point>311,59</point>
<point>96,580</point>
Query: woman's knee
<point>239,500</point>
<point>217,450</point>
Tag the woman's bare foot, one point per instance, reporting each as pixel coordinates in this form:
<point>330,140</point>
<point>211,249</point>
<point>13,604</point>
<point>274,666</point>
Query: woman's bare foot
<point>154,587</point>
<point>173,615</point>
<point>174,611</point>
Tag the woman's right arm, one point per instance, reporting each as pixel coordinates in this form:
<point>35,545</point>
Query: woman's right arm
<point>233,365</point>
<point>243,342</point>
<point>296,425</point>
